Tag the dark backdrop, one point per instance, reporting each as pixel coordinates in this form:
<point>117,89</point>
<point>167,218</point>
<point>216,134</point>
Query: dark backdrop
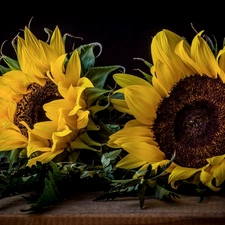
<point>122,36</point>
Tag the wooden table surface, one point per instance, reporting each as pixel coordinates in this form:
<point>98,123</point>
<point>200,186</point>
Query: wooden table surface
<point>82,210</point>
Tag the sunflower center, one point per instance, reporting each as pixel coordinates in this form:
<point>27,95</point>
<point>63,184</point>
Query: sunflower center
<point>30,107</point>
<point>196,124</point>
<point>191,121</point>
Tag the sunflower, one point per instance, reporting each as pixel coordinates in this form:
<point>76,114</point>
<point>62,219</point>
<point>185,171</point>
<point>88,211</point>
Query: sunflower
<point>178,111</point>
<point>44,108</point>
<point>22,83</point>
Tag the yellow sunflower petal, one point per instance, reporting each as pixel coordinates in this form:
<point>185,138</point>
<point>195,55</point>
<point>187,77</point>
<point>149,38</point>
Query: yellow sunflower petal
<point>163,49</point>
<point>9,143</point>
<point>126,135</point>
<point>44,129</point>
<point>181,173</point>
<point>56,72</point>
<point>144,151</point>
<point>221,62</point>
<point>83,118</point>
<point>120,105</point>
<point>203,56</point>
<point>216,160</point>
<point>219,173</point>
<point>73,69</point>
<point>165,76</point>
<point>156,84</point>
<point>130,162</point>
<point>44,158</point>
<point>125,80</point>
<point>56,42</point>
<point>36,143</point>
<point>142,101</point>
<point>183,50</point>
<point>85,82</point>
<point>206,178</point>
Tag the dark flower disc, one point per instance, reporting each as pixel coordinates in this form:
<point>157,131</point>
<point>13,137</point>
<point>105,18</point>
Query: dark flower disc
<point>191,121</point>
<point>30,107</point>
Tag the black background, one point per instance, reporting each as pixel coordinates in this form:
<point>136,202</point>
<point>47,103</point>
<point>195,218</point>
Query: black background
<point>124,35</point>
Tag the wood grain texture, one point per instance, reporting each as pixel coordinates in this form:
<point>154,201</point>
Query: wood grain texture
<point>82,210</point>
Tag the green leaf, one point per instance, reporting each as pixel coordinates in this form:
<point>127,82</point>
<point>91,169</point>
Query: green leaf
<point>48,198</point>
<point>162,193</point>
<point>56,175</point>
<point>141,194</point>
<point>112,155</point>
<point>99,75</point>
<point>51,193</point>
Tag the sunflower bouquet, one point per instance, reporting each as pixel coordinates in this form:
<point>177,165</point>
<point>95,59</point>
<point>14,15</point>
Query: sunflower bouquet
<point>69,126</point>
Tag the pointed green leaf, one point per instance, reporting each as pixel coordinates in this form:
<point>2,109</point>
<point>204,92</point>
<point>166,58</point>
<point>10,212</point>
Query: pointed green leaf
<point>141,194</point>
<point>56,175</point>
<point>49,197</point>
<point>112,155</point>
<point>162,193</point>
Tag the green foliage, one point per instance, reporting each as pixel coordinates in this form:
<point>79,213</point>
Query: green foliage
<point>145,183</point>
<point>51,194</point>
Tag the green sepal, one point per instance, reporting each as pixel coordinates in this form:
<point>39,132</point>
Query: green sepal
<point>92,126</point>
<point>148,77</point>
<point>145,62</point>
<point>4,70</point>
<point>12,63</point>
<point>99,106</point>
<point>87,55</point>
<point>74,155</point>
<point>86,139</point>
<point>99,75</point>
<point>78,143</point>
<point>93,94</point>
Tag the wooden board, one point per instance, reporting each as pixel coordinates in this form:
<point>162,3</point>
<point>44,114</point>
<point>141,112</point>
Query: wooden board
<point>82,210</point>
